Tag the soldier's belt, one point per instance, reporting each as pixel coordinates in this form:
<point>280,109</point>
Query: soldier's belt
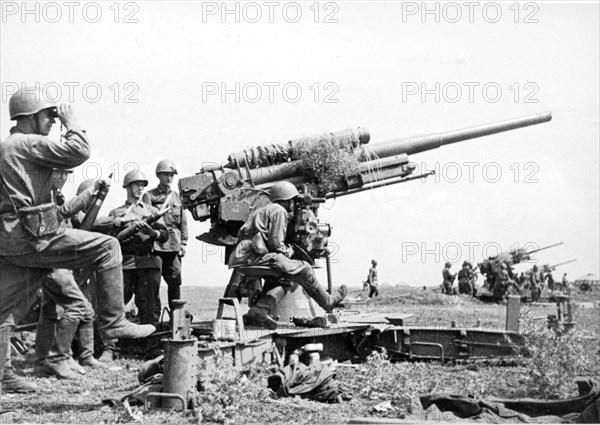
<point>41,220</point>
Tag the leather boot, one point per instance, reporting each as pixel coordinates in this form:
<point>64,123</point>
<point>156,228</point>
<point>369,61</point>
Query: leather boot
<point>259,314</point>
<point>46,330</point>
<point>111,309</point>
<point>75,367</point>
<point>85,333</point>
<point>59,361</point>
<point>60,368</point>
<point>10,382</point>
<point>323,299</point>
<point>109,351</point>
<point>13,383</point>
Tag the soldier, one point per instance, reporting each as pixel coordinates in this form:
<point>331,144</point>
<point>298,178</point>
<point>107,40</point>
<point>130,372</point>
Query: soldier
<point>550,279</point>
<point>448,280</point>
<point>372,280</point>
<point>54,336</point>
<point>262,243</point>
<point>141,268</point>
<point>33,241</point>
<point>466,279</point>
<point>502,283</point>
<point>172,251</point>
<point>566,286</point>
<point>534,285</point>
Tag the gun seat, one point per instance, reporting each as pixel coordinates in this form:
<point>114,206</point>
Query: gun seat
<point>258,271</point>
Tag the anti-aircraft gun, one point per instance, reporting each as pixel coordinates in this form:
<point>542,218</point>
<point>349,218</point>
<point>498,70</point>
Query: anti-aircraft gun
<point>547,268</point>
<point>490,266</point>
<point>322,167</point>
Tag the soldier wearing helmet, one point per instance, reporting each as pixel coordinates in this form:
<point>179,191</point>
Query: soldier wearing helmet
<point>448,280</point>
<point>141,267</point>
<point>502,283</point>
<point>262,243</point>
<point>466,279</point>
<point>172,251</point>
<point>34,243</point>
<point>372,280</point>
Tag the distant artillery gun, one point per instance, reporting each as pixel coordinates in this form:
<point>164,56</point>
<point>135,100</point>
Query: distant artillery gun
<point>491,266</point>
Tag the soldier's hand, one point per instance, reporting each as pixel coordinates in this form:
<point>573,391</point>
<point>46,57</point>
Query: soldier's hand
<point>123,221</point>
<point>182,251</point>
<point>146,229</point>
<point>66,115</point>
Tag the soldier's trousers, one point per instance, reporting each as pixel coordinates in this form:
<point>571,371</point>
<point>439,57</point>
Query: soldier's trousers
<point>171,273</point>
<point>143,283</point>
<point>18,287</point>
<point>76,308</point>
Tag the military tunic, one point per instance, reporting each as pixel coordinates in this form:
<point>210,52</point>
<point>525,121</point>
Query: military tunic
<point>141,268</point>
<point>176,223</point>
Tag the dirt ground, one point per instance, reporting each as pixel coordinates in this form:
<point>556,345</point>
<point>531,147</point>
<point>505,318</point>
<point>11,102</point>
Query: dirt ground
<point>379,389</point>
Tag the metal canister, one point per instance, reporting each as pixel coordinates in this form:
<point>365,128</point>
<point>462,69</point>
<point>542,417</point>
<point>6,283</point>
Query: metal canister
<point>180,372</point>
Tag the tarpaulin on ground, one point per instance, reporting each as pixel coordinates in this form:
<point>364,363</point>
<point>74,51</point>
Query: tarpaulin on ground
<point>582,409</point>
<point>315,382</point>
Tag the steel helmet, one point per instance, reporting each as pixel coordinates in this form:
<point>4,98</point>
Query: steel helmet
<point>374,262</point>
<point>448,264</point>
<point>135,176</point>
<point>282,191</point>
<point>27,101</point>
<point>166,166</point>
<point>85,185</point>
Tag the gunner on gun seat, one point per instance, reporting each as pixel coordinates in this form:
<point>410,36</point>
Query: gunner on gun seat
<point>262,243</point>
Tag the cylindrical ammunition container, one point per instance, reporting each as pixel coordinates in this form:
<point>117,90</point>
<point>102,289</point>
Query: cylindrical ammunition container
<point>180,371</point>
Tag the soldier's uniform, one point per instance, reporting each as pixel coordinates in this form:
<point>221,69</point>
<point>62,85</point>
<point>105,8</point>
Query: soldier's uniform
<point>502,284</point>
<point>566,286</point>
<point>466,278</point>
<point>262,243</point>
<point>534,285</point>
<point>373,282</point>
<point>176,224</point>
<point>54,336</point>
<point>448,280</point>
<point>141,268</point>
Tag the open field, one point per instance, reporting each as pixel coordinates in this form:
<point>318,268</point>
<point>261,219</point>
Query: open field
<point>242,397</point>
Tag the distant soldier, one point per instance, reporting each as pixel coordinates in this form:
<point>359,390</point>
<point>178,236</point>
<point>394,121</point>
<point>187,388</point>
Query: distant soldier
<point>466,279</point>
<point>448,280</point>
<point>566,285</point>
<point>502,283</point>
<point>534,285</point>
<point>372,280</point>
<point>172,251</point>
<point>550,279</point>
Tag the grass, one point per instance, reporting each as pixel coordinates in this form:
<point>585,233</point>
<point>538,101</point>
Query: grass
<point>233,396</point>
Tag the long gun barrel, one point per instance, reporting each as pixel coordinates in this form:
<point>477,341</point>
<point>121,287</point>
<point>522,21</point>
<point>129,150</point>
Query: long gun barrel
<point>132,228</point>
<point>424,143</point>
<point>562,264</point>
<point>543,248</point>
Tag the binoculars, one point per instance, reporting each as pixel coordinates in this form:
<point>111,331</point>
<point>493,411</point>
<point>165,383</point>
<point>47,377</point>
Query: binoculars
<point>53,113</point>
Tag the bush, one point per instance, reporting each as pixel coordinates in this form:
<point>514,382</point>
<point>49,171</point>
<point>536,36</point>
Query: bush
<point>554,358</point>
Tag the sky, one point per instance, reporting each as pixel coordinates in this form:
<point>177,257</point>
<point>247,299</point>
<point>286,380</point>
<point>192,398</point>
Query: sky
<point>194,81</point>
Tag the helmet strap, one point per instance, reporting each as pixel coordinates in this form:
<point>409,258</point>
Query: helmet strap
<point>36,121</point>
